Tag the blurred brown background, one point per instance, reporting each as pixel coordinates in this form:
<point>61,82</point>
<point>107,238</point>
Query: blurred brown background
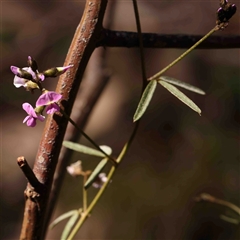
<point>176,154</point>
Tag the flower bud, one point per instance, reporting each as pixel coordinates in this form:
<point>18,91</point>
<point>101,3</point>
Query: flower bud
<point>32,64</point>
<point>20,72</point>
<point>56,71</point>
<point>75,169</point>
<point>31,85</point>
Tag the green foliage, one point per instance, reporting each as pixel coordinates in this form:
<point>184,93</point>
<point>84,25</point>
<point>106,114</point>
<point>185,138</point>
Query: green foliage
<point>63,217</point>
<point>68,227</point>
<point>95,172</point>
<point>181,96</point>
<point>87,150</point>
<point>145,100</point>
<point>230,219</point>
<point>182,84</point>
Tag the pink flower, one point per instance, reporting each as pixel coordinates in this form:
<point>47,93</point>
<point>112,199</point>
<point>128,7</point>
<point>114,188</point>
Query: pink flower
<point>100,180</point>
<point>23,75</point>
<point>18,81</point>
<point>30,120</point>
<point>49,99</point>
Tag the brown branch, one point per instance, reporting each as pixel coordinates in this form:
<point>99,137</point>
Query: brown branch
<point>95,80</point>
<point>79,53</point>
<point>111,38</point>
<point>27,171</point>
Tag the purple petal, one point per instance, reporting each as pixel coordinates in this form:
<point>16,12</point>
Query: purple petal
<point>64,69</point>
<point>29,110</point>
<point>14,69</point>
<point>48,98</point>
<point>43,100</point>
<point>31,72</point>
<point>41,76</point>
<point>54,97</point>
<point>26,119</point>
<point>31,122</point>
<point>52,108</point>
<point>41,118</point>
<point>19,82</point>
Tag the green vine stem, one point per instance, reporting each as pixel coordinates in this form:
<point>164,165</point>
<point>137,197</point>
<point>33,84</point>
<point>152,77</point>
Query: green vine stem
<point>86,213</point>
<point>84,193</point>
<point>87,137</point>
<point>209,198</point>
<point>157,75</point>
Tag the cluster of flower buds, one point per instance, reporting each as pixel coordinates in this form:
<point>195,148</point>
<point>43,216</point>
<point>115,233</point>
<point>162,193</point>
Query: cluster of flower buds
<point>224,13</point>
<point>30,78</point>
<point>75,170</point>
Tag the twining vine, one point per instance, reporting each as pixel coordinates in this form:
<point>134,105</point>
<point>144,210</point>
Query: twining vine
<point>58,105</point>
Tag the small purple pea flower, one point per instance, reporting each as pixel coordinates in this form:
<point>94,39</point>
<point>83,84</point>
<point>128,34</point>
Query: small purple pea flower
<point>30,120</point>
<point>18,81</point>
<point>49,99</point>
<point>100,180</point>
<point>24,75</point>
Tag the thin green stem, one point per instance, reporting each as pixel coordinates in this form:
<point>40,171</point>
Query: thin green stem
<point>209,198</point>
<point>87,137</point>
<point>157,75</point>
<point>86,213</point>
<point>84,194</point>
<point>139,31</point>
<point>125,147</point>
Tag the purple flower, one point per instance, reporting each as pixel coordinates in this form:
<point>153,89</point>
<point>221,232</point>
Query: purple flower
<point>21,77</point>
<point>100,180</point>
<point>30,120</point>
<point>18,81</point>
<point>49,99</point>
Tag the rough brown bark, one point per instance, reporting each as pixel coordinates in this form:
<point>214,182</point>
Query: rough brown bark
<point>81,48</point>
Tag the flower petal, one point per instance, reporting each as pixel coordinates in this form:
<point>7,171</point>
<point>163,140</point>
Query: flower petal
<point>48,98</point>
<point>40,118</point>
<point>14,69</point>
<point>31,122</point>
<point>19,82</point>
<point>26,119</point>
<point>54,97</point>
<point>52,108</point>
<point>29,110</point>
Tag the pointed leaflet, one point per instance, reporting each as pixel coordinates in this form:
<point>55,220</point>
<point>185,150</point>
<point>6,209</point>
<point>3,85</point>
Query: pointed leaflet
<point>182,84</point>
<point>62,217</point>
<point>95,172</point>
<point>145,100</point>
<point>69,225</point>
<point>87,150</point>
<point>229,219</point>
<point>177,93</point>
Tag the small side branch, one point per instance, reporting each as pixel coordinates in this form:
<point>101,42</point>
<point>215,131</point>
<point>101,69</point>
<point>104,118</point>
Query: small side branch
<point>27,171</point>
<point>111,38</point>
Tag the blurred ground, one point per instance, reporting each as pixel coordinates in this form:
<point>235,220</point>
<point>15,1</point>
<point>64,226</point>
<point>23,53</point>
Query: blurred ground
<point>176,154</point>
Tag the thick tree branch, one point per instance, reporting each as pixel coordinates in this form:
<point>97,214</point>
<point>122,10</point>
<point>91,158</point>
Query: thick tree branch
<point>95,79</point>
<point>111,38</point>
<point>81,48</point>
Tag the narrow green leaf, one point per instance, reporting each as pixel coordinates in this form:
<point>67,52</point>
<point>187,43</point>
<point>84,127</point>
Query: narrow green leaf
<point>145,100</point>
<point>229,219</point>
<point>62,217</point>
<point>106,149</point>
<point>69,225</point>
<point>182,84</point>
<point>95,172</point>
<point>87,150</point>
<point>177,93</point>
